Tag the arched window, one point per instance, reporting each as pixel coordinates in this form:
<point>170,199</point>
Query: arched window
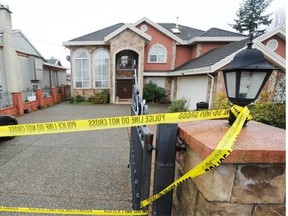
<point>101,70</point>
<point>81,69</point>
<point>157,54</point>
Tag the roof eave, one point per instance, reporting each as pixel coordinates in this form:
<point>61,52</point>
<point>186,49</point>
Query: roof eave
<point>186,72</point>
<point>82,43</point>
<point>54,66</point>
<point>214,39</point>
<point>281,30</point>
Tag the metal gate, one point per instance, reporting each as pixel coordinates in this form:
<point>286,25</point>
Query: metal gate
<point>141,148</point>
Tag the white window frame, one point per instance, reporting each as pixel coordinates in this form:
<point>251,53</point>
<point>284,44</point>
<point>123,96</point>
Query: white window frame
<point>34,88</point>
<point>88,69</point>
<point>102,80</point>
<point>157,55</point>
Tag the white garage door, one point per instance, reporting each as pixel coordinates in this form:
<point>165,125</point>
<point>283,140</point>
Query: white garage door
<point>193,89</point>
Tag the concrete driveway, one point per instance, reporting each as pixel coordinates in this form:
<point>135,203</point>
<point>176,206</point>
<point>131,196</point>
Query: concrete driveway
<point>82,170</point>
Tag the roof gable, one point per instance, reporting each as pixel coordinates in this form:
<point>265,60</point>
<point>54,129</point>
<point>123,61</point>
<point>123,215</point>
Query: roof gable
<point>123,28</point>
<point>213,56</point>
<point>159,28</point>
<point>23,45</point>
<point>280,31</point>
<point>219,57</point>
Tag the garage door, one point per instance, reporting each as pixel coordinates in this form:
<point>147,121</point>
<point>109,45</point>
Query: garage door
<point>193,89</point>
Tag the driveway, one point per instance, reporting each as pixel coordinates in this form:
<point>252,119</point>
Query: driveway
<point>82,170</point>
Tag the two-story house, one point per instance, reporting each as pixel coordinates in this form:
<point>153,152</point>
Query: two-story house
<point>183,60</point>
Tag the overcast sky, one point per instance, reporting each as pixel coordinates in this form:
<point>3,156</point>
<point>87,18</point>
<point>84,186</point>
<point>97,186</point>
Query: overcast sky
<point>49,23</point>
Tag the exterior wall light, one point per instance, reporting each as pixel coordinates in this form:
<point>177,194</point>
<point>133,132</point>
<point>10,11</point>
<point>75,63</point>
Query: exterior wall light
<point>246,75</point>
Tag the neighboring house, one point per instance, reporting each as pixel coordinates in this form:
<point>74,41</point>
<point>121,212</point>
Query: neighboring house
<point>22,67</point>
<point>183,60</point>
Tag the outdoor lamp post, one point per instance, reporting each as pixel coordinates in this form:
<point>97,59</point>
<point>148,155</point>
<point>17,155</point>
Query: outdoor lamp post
<point>245,76</point>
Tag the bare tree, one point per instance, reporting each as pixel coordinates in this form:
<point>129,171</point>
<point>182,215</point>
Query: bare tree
<point>279,18</point>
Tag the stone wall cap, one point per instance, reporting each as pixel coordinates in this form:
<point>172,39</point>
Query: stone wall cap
<point>257,142</point>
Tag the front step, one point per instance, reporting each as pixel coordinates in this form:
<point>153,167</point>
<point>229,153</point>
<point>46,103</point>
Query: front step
<point>124,101</point>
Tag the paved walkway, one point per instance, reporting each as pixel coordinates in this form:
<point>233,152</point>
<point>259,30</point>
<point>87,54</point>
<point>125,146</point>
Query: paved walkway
<point>83,170</point>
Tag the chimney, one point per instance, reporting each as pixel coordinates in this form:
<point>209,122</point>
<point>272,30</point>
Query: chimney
<point>12,69</point>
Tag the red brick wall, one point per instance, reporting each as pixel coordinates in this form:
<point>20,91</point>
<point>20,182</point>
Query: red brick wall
<point>19,106</point>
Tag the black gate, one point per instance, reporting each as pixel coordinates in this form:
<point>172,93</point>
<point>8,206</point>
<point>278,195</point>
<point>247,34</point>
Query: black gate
<point>141,156</point>
<point>140,150</point>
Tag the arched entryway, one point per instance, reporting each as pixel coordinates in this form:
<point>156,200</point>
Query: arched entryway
<point>124,74</point>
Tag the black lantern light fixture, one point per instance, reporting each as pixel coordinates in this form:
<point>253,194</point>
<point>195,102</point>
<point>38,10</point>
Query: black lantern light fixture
<point>246,75</point>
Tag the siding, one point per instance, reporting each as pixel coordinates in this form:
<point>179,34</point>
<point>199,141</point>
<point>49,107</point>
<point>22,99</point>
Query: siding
<point>27,71</point>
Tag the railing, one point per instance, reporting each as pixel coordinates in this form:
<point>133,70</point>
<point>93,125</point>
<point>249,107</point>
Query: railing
<point>5,99</point>
<point>28,95</point>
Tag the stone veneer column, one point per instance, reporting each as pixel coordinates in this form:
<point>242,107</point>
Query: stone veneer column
<point>126,40</point>
<point>251,181</point>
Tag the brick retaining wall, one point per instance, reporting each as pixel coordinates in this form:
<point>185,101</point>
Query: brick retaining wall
<point>19,107</point>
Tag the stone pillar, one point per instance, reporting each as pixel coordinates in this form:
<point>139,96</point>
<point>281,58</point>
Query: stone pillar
<point>18,102</point>
<point>250,181</point>
<point>54,94</point>
<point>39,98</point>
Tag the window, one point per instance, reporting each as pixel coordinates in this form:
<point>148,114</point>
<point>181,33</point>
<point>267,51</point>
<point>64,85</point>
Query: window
<point>272,44</point>
<point>159,81</point>
<point>125,61</point>
<point>101,74</point>
<point>157,54</point>
<point>35,87</point>
<point>81,69</point>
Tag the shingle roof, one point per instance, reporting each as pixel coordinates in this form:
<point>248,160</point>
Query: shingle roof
<point>186,32</point>
<point>100,34</point>
<point>52,61</point>
<point>213,56</point>
<point>215,32</point>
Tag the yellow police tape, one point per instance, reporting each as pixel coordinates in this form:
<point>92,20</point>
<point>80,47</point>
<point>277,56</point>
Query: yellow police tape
<point>72,211</point>
<point>223,149</point>
<point>108,123</point>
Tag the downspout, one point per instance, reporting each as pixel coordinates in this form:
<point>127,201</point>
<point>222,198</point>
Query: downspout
<point>211,89</point>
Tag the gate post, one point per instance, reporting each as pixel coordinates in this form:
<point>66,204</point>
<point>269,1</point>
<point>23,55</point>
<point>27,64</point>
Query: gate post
<point>164,167</point>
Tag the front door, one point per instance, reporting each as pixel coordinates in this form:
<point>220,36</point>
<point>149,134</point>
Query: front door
<point>124,88</point>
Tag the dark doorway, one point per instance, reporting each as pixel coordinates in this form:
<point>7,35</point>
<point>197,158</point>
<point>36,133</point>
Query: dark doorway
<point>124,88</point>
<point>124,73</point>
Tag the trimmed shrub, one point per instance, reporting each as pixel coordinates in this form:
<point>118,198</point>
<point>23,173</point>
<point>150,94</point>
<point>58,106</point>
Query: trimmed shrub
<point>72,99</point>
<point>154,93</point>
<point>179,105</point>
<point>273,114</point>
<point>79,99</point>
<point>263,111</point>
<point>102,97</point>
<point>220,101</point>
